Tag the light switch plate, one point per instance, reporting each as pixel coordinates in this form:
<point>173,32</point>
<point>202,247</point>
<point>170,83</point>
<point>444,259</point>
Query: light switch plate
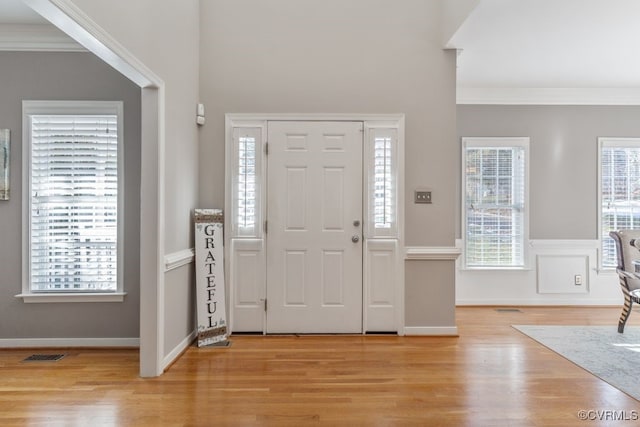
<point>422,196</point>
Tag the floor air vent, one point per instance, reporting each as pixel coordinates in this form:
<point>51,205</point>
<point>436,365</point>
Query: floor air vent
<point>508,310</point>
<point>44,358</point>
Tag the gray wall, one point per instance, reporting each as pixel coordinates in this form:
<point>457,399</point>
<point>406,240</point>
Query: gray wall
<point>563,158</point>
<point>65,76</point>
<point>335,56</point>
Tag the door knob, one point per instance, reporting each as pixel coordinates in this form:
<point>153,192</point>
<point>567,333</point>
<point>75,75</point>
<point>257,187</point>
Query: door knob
<point>355,238</point>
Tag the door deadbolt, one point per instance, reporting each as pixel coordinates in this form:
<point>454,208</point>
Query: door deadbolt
<point>356,223</point>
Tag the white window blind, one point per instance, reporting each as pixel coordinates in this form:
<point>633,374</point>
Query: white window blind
<point>495,197</point>
<point>246,197</point>
<point>619,192</point>
<point>381,146</point>
<point>383,183</point>
<point>246,167</point>
<point>74,203</point>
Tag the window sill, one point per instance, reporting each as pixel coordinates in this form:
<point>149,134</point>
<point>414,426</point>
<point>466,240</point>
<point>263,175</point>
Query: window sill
<point>76,297</point>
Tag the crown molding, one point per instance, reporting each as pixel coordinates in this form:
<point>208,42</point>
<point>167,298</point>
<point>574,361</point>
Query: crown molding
<point>36,38</point>
<point>548,96</point>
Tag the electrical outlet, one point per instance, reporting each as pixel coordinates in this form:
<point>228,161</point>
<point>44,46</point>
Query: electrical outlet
<point>577,280</point>
<point>422,196</point>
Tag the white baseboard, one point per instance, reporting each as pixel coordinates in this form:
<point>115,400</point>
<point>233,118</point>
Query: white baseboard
<point>431,330</point>
<point>177,350</point>
<point>542,302</point>
<point>68,342</point>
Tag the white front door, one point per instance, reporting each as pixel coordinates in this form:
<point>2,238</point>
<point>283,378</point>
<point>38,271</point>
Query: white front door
<point>314,238</point>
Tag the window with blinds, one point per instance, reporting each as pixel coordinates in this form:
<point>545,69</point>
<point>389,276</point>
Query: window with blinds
<point>246,197</point>
<point>619,191</point>
<point>383,183</point>
<point>381,166</point>
<point>73,201</point>
<point>495,202</point>
<point>246,170</point>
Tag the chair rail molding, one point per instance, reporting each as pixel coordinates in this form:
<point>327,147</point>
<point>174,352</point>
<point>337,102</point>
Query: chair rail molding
<point>432,253</point>
<point>178,259</point>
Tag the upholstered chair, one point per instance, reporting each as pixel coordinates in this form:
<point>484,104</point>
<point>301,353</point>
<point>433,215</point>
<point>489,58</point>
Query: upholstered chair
<point>626,252</point>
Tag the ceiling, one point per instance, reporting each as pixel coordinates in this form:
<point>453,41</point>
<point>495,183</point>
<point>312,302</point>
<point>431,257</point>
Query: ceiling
<point>523,43</point>
<point>550,44</point>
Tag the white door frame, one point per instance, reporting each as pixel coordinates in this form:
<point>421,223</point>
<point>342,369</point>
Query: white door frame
<point>245,260</point>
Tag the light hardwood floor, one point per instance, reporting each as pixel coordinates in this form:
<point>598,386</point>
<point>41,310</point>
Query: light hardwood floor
<point>491,375</point>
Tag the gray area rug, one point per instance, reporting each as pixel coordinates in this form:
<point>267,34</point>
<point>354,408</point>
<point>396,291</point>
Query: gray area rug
<point>601,350</point>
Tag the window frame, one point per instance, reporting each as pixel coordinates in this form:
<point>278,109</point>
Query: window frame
<point>602,143</point>
<point>257,132</point>
<point>390,133</point>
<point>34,108</point>
<point>497,142</point>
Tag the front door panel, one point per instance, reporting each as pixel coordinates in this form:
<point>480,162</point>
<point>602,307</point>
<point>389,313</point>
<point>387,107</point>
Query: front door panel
<point>314,239</point>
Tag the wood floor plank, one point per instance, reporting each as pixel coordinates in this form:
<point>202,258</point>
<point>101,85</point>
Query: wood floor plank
<point>490,375</point>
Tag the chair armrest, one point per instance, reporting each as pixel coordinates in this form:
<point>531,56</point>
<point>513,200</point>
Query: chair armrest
<point>626,274</point>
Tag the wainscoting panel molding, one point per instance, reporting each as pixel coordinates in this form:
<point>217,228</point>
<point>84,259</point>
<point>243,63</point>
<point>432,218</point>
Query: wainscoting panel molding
<point>550,278</point>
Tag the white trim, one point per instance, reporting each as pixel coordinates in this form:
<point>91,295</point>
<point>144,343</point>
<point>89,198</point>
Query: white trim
<point>65,15</point>
<point>72,297</point>
<point>34,108</point>
<point>36,38</point>
<point>152,232</point>
<point>400,203</point>
<point>522,287</point>
<point>602,143</point>
<point>385,120</point>
<point>68,342</point>
<point>178,259</point>
<point>577,300</point>
<point>548,96</point>
<point>371,121</point>
<point>178,350</point>
<point>431,331</point>
<point>432,253</point>
<point>69,18</point>
<point>512,141</point>
<point>572,245</point>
